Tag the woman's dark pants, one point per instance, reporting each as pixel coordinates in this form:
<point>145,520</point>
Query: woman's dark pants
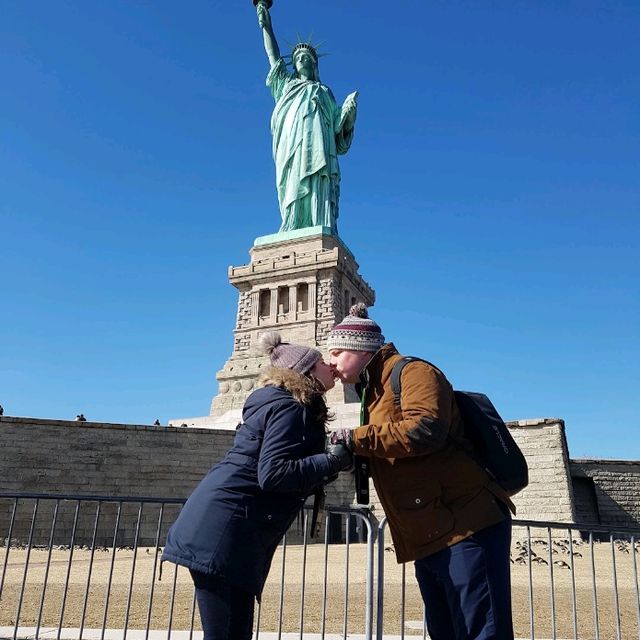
<point>466,588</point>
<point>226,612</point>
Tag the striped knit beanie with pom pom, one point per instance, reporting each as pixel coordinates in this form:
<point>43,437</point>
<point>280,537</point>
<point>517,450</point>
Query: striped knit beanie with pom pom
<point>286,355</point>
<point>357,332</point>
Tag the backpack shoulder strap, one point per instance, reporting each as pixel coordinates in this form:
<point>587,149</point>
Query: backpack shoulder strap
<point>396,372</point>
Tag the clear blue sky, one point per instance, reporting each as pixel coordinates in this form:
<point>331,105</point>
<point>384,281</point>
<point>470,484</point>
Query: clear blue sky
<point>491,197</point>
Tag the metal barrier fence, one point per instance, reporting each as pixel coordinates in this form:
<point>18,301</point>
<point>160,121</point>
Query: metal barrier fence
<point>567,581</point>
<point>74,565</point>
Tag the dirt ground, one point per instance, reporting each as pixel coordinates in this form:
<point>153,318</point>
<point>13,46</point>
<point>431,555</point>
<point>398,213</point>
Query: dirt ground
<point>134,598</point>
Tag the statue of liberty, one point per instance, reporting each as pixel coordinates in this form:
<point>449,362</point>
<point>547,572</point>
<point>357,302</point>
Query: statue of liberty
<point>309,131</point>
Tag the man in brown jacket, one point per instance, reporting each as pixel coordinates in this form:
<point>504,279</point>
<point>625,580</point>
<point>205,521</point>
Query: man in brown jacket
<point>443,510</point>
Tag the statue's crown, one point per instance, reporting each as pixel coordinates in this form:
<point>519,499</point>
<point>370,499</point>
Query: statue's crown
<point>306,47</point>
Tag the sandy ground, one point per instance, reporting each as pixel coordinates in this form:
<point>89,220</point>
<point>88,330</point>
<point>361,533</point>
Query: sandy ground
<point>135,599</point>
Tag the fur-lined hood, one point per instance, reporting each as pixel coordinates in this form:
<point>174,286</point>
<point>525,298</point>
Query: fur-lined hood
<point>302,388</point>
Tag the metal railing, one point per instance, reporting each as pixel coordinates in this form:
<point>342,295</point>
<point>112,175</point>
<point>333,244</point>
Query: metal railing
<point>71,563</point>
<point>560,574</point>
<point>75,562</point>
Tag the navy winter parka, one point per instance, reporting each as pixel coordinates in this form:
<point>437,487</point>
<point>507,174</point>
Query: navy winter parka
<point>233,521</point>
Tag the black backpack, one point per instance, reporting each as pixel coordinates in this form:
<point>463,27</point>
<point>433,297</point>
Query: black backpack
<point>493,447</point>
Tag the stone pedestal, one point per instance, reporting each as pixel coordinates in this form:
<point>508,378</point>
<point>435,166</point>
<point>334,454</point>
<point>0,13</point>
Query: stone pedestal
<point>300,286</point>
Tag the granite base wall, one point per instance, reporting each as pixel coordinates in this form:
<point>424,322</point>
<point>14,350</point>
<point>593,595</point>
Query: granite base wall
<point>607,492</point>
<point>549,495</point>
<point>70,458</point>
<point>62,457</point>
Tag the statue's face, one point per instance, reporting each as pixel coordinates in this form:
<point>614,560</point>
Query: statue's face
<point>305,63</point>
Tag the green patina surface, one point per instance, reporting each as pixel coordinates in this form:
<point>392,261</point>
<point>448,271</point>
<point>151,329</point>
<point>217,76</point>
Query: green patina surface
<point>310,129</point>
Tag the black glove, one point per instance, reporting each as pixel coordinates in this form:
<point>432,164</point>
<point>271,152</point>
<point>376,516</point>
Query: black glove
<point>340,458</point>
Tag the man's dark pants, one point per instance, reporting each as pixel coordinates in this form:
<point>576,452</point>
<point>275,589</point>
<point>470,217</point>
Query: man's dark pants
<point>466,588</point>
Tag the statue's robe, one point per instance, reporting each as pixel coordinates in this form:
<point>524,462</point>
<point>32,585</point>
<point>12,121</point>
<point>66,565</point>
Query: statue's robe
<point>307,137</point>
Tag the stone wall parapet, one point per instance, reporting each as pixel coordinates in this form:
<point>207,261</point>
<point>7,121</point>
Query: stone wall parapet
<point>94,425</point>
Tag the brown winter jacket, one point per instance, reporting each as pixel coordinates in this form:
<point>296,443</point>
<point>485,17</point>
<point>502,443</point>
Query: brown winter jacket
<point>432,493</point>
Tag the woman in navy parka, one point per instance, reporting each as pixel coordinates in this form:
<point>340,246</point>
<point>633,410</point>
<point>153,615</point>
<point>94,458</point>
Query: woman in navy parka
<point>229,528</point>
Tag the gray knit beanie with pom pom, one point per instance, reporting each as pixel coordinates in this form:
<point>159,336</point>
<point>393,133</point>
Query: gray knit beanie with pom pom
<point>286,355</point>
<point>357,332</point>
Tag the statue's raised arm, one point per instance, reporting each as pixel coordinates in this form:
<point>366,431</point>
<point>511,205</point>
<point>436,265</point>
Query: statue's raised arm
<point>270,42</point>
<point>309,131</point>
